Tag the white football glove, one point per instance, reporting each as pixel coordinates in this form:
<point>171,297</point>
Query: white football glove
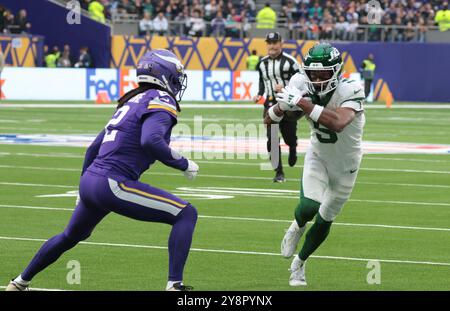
<point>192,170</point>
<point>288,98</point>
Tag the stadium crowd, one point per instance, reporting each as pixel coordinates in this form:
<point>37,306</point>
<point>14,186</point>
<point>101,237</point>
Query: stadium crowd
<point>10,24</point>
<point>406,20</point>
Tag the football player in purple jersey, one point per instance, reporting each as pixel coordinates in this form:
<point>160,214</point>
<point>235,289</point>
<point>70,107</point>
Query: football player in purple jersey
<point>137,135</point>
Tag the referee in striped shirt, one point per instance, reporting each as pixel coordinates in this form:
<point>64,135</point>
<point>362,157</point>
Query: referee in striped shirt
<point>275,71</point>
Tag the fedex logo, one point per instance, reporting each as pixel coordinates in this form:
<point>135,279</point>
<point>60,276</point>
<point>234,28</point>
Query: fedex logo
<point>102,80</point>
<point>226,85</point>
<point>114,82</point>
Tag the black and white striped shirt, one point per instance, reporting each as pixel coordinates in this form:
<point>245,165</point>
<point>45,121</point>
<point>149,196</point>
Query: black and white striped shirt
<point>273,71</point>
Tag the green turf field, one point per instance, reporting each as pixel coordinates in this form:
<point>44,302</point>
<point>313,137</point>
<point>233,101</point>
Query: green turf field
<point>399,212</point>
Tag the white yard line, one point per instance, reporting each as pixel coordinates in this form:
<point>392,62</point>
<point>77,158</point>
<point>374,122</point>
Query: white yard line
<point>35,185</point>
<point>249,219</point>
<point>226,176</point>
<point>230,105</point>
<point>81,156</point>
<point>223,251</point>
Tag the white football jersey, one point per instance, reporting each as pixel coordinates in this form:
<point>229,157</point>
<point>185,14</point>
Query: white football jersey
<point>348,143</point>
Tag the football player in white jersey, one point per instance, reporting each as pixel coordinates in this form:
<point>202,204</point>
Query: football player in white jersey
<point>334,107</point>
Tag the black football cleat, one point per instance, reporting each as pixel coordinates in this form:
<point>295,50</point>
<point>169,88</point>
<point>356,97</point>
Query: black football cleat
<point>292,156</point>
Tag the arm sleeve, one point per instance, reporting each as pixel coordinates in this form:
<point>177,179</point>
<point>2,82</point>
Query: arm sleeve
<point>92,151</point>
<point>154,128</point>
<point>261,81</point>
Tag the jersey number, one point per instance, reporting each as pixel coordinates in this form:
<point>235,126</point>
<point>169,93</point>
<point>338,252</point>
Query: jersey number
<point>110,135</point>
<point>329,138</point>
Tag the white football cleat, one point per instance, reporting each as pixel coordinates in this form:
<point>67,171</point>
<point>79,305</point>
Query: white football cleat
<point>14,286</point>
<point>290,239</point>
<point>179,287</point>
<point>297,270</point>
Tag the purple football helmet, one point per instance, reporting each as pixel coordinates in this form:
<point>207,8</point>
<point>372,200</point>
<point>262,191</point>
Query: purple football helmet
<point>163,68</point>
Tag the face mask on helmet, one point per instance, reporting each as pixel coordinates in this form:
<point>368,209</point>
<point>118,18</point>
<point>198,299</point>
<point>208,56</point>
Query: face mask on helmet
<point>322,80</point>
<point>180,84</point>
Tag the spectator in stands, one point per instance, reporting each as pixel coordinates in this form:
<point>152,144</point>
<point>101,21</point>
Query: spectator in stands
<point>9,25</point>
<point>182,23</point>
<point>160,24</point>
<point>147,6</point>
<point>326,29</point>
<point>22,22</point>
<point>96,10</point>
<point>423,29</point>
<point>341,28</point>
<point>302,28</point>
<point>245,23</point>
<point>249,6</point>
<point>303,11</point>
<point>316,11</point>
<point>84,4</point>
<point>400,32</point>
<point>197,24</point>
<point>218,25</point>
<point>352,30</point>
<point>175,8</point>
<point>410,33</point>
<point>145,25</point>
<point>266,17</point>
<point>211,10</point>
<point>313,30</point>
<point>64,60</point>
<point>128,7</point>
<point>387,32</point>
<point>84,60</point>
<point>233,24</point>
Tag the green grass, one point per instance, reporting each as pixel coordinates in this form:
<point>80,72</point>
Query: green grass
<point>376,200</point>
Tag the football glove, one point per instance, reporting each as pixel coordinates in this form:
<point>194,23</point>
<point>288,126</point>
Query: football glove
<point>192,170</point>
<point>288,98</point>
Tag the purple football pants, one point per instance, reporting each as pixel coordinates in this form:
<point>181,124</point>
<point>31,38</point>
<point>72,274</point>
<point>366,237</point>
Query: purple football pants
<point>101,195</point>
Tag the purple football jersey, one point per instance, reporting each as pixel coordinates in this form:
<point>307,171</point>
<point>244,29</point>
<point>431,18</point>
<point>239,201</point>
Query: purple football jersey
<point>121,154</point>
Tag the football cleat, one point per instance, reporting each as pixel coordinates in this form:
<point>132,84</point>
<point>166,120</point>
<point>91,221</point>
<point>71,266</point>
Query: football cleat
<point>297,270</point>
<point>179,287</point>
<point>14,286</point>
<point>292,156</point>
<point>279,177</point>
<point>290,239</point>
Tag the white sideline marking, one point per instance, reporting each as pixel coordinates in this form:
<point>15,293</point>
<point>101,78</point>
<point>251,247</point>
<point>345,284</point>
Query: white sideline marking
<point>34,185</point>
<point>215,106</point>
<point>367,157</point>
<point>78,156</point>
<point>38,207</point>
<point>357,182</point>
<point>251,219</point>
<point>223,251</point>
<point>225,176</point>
